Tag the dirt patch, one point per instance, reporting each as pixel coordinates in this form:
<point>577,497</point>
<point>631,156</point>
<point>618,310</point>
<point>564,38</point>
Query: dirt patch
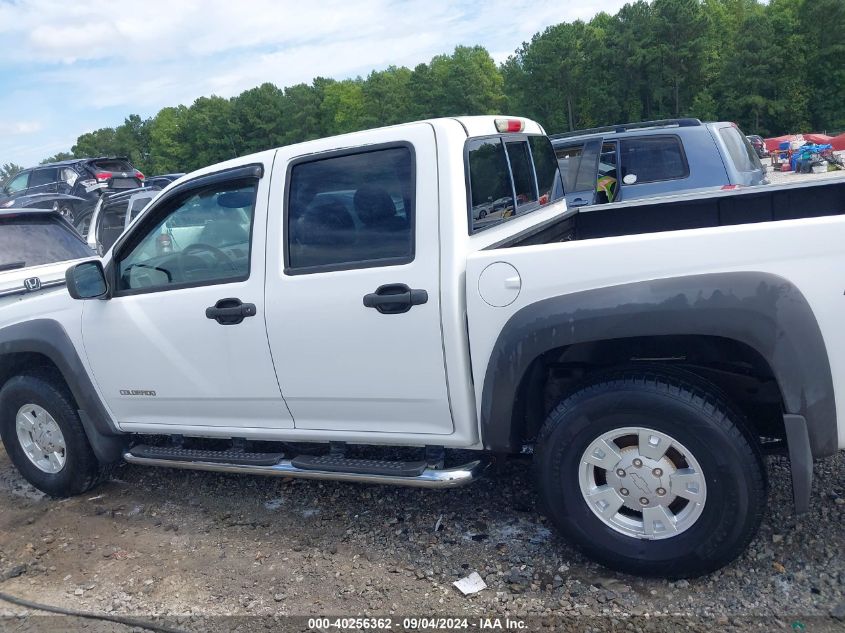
<point>189,544</point>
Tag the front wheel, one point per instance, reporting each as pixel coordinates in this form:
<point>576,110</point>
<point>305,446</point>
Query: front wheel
<point>44,437</point>
<point>651,474</point>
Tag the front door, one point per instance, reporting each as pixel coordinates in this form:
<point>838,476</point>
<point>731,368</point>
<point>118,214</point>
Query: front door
<point>182,343</point>
<point>353,309</point>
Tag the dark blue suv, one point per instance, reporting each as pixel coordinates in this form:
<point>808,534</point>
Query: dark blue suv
<point>69,182</point>
<point>654,158</point>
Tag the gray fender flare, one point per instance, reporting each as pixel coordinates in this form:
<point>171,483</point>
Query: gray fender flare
<point>761,310</point>
<point>48,338</point>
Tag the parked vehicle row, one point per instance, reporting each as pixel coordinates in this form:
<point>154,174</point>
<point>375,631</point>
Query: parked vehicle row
<point>276,312</point>
<point>83,178</point>
<point>112,215</point>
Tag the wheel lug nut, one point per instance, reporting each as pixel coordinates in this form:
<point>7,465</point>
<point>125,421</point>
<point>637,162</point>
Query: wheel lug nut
<point>644,501</point>
<point>638,463</point>
<point>623,492</point>
<point>620,472</point>
<point>661,491</point>
<point>657,472</point>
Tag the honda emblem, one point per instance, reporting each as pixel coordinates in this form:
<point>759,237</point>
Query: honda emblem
<point>32,284</point>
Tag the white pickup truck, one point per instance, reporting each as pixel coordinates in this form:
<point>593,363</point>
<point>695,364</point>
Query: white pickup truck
<point>341,309</point>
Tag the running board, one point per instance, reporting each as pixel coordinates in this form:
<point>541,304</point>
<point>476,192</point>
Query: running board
<point>306,467</point>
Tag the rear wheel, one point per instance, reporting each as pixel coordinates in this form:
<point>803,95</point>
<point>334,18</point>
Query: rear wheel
<point>44,437</point>
<point>651,473</point>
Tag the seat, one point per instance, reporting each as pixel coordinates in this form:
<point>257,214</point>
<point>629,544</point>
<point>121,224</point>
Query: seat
<point>224,231</point>
<point>376,210</point>
<point>326,224</point>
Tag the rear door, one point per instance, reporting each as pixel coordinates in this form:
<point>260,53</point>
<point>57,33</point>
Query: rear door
<point>653,165</point>
<point>579,169</point>
<point>353,297</point>
<point>43,180</point>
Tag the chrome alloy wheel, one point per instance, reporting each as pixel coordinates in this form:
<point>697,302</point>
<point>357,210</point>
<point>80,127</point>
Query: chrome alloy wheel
<point>642,483</point>
<point>41,438</point>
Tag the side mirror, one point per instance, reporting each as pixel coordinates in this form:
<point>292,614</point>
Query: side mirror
<point>87,280</point>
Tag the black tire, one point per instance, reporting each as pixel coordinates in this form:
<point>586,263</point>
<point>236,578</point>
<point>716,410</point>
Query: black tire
<point>81,470</point>
<point>692,412</point>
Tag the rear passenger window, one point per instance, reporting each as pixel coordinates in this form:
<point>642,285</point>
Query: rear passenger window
<point>351,211</point>
<point>43,177</point>
<point>653,158</point>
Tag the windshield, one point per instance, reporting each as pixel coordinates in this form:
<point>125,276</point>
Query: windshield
<point>112,164</point>
<point>33,241</point>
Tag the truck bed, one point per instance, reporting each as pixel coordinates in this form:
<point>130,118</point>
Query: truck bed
<point>689,211</point>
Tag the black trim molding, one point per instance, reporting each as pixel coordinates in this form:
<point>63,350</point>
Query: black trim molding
<point>48,338</point>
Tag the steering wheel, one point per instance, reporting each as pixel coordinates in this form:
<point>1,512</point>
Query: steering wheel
<point>188,271</point>
<point>219,255</point>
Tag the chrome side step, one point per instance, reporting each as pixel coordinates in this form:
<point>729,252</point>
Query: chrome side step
<point>428,478</point>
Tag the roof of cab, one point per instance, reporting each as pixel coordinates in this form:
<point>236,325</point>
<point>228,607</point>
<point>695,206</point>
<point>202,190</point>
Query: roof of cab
<point>472,126</point>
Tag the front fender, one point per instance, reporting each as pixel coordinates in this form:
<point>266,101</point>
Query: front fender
<point>49,339</point>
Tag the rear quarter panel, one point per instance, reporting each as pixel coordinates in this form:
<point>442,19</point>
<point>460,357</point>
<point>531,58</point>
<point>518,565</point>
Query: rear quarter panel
<point>807,253</point>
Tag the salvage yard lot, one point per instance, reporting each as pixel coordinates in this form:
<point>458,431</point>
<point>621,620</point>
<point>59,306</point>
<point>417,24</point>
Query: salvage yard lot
<point>204,544</point>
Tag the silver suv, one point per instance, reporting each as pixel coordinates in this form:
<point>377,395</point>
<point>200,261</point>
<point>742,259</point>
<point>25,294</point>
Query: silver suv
<point>654,158</point>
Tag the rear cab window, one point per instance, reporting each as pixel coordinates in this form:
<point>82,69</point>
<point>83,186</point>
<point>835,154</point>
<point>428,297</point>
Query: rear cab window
<point>34,240</point>
<point>509,176</point>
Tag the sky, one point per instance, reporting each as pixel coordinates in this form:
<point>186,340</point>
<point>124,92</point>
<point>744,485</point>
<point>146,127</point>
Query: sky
<point>67,68</point>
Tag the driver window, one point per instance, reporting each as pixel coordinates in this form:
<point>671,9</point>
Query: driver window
<point>18,183</point>
<point>203,237</point>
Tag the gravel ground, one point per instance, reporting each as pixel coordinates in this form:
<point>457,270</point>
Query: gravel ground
<point>196,546</point>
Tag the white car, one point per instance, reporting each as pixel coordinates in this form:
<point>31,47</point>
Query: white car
<point>36,248</point>
<point>339,294</point>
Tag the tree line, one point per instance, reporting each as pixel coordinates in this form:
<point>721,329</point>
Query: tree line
<point>773,68</point>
